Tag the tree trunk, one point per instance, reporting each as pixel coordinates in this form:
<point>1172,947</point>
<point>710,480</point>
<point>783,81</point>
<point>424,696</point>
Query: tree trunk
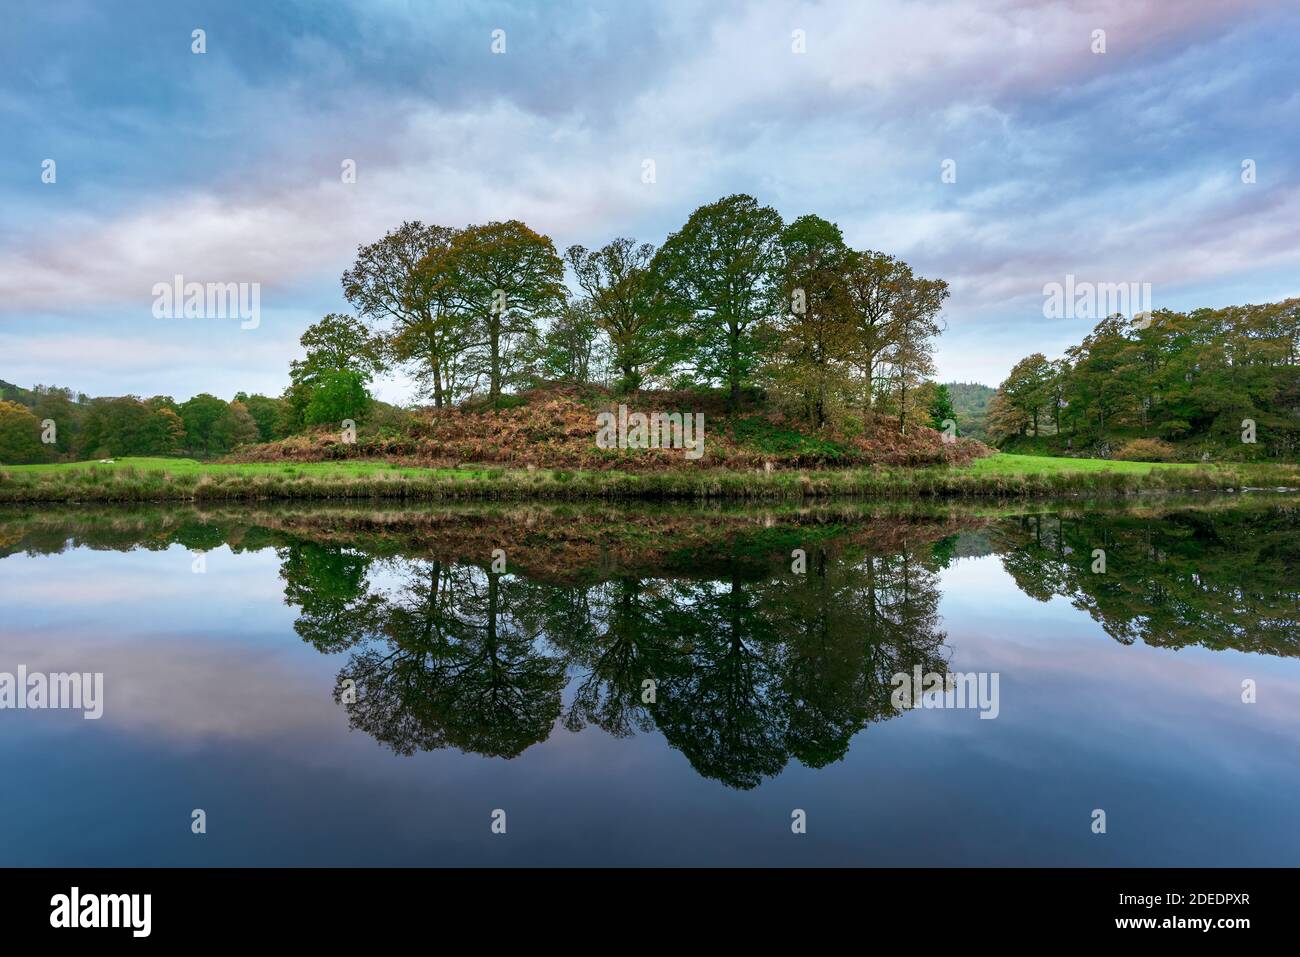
<point>494,373</point>
<point>733,373</point>
<point>867,400</point>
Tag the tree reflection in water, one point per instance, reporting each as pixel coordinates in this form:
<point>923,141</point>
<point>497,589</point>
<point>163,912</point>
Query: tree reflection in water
<point>753,665</point>
<point>748,671</point>
<point>1222,579</point>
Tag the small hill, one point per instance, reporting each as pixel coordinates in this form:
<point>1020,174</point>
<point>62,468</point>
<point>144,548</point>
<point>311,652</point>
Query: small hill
<point>556,427</point>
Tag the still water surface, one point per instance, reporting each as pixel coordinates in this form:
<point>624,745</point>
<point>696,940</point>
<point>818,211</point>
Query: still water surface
<point>229,685</point>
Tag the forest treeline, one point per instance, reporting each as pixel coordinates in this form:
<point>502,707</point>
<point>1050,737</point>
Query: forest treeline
<point>736,300</point>
<point>1211,383</point>
<point>49,423</point>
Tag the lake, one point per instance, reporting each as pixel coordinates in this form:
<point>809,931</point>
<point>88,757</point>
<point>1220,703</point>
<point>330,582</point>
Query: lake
<point>655,685</point>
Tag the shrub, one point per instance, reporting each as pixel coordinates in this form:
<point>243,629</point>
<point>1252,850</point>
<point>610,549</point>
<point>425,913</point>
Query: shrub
<point>1147,450</point>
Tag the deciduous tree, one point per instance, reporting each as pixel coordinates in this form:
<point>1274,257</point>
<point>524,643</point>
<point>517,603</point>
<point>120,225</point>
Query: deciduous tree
<point>505,277</point>
<point>814,335</point>
<point>399,283</point>
<point>722,272</point>
<point>626,301</point>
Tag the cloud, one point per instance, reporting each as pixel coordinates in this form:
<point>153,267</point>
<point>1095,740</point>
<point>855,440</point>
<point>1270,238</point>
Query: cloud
<point>1101,165</point>
<point>183,692</point>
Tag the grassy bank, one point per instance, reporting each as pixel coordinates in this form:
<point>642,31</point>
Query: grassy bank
<point>148,480</point>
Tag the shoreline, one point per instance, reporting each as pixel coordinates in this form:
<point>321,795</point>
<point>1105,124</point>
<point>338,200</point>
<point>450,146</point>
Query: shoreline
<point>1002,477</point>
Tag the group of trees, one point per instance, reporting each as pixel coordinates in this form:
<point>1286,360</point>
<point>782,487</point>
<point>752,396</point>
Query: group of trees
<point>1187,378</point>
<point>49,423</point>
<point>735,298</point>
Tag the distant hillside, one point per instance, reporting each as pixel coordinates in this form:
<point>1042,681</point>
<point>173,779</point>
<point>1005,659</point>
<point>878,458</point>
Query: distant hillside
<point>971,400</point>
<point>12,393</point>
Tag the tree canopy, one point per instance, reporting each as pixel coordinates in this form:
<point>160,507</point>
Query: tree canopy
<point>1212,381</point>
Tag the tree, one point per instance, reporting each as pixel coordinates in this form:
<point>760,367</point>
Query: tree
<point>1188,377</point>
<point>337,395</point>
<point>166,433</point>
<point>941,408</point>
<point>570,348</point>
<point>20,435</point>
<point>504,276</point>
<point>815,334</point>
<point>1002,419</point>
<point>401,281</point>
<point>60,406</point>
<point>339,341</point>
<point>156,402</point>
<point>200,416</point>
<point>234,427</point>
<point>1099,395</point>
<point>293,406</point>
<point>266,412</point>
<point>894,317</point>
<point>1058,374</point>
<point>342,356</point>
<point>626,302</point>
<point>1027,389</point>
<point>909,348</point>
<point>722,272</point>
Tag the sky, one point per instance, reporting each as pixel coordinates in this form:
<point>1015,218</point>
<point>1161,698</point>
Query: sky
<point>226,166</point>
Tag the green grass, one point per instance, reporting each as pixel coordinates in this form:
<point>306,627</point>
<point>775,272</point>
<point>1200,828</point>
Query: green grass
<point>999,476</point>
<point>763,436</point>
<point>177,467</point>
<point>1007,464</point>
